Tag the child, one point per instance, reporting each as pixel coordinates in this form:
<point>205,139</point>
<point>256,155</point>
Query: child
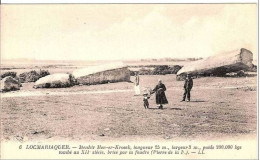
<point>145,99</point>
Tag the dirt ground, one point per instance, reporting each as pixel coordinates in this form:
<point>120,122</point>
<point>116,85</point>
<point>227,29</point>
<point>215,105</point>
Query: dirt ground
<point>219,107</point>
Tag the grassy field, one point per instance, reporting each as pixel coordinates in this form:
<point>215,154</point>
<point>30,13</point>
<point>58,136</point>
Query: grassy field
<point>219,107</point>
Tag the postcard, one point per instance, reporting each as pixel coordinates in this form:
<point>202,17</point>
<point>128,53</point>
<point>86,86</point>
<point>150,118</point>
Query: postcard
<point>129,81</point>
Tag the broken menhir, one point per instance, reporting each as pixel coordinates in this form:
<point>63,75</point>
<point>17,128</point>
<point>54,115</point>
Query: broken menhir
<point>218,65</point>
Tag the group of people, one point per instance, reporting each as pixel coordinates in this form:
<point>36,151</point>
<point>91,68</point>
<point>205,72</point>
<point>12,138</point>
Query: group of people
<point>160,89</point>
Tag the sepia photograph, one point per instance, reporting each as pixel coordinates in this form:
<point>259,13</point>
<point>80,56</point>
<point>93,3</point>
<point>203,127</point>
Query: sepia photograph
<point>138,75</point>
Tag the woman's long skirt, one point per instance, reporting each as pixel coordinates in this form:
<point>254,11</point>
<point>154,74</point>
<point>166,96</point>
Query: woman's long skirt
<point>137,90</point>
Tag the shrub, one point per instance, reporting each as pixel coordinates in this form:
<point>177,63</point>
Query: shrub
<point>32,76</point>
<point>132,73</point>
<point>44,73</point>
<point>144,71</point>
<point>12,74</point>
<point>165,69</point>
<point>253,68</point>
<point>158,70</point>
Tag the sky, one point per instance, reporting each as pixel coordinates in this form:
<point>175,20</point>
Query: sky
<point>125,31</point>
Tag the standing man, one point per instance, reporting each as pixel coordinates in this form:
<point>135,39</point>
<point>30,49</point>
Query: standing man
<point>187,87</point>
<point>137,80</point>
<point>160,94</point>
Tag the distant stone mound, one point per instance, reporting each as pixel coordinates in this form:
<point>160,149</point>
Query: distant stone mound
<point>57,80</point>
<point>9,84</point>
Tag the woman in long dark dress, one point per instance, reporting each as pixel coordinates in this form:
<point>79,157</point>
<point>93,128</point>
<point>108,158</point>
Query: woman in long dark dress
<point>160,94</point>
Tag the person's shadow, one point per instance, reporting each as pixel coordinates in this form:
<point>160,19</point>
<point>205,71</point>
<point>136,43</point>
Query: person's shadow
<point>197,101</point>
<point>175,108</point>
<point>153,108</point>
